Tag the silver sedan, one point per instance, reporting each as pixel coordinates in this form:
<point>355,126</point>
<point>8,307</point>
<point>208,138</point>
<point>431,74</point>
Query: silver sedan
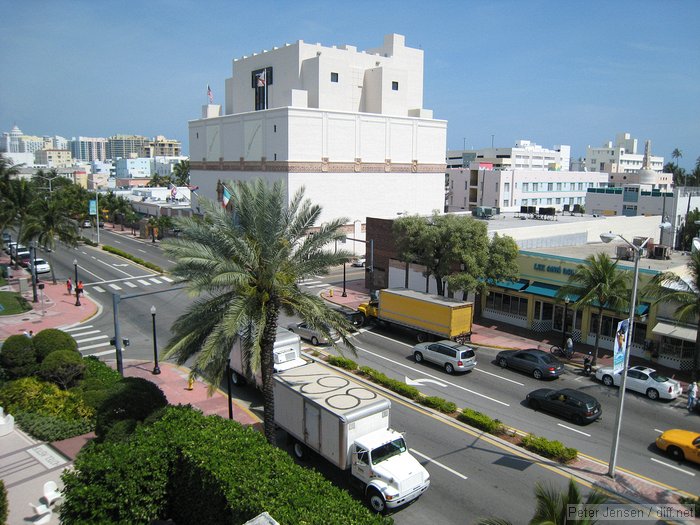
<point>310,334</point>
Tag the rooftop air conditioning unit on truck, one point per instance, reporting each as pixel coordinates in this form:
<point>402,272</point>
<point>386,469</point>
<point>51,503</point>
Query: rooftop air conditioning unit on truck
<point>428,315</point>
<point>286,354</point>
<point>348,424</point>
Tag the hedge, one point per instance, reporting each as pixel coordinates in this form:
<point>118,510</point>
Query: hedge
<point>50,340</point>
<point>342,362</point>
<point>550,449</point>
<point>481,421</point>
<point>399,387</point>
<point>192,468</point>
<point>17,357</point>
<point>438,403</point>
<point>62,367</point>
<point>137,260</point>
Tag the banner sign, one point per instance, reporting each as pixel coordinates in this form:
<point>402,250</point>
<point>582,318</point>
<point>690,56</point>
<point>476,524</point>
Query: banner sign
<point>620,345</point>
<point>93,207</point>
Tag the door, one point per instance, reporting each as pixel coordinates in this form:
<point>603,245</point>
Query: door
<point>312,426</point>
<point>636,381</point>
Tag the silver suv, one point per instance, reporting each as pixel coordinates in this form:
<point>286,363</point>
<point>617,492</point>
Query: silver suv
<point>453,357</point>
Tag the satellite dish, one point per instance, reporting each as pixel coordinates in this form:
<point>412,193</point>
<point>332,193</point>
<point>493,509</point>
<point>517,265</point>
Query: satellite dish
<point>696,245</point>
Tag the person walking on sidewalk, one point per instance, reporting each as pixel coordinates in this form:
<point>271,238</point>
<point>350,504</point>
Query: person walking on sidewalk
<point>79,288</point>
<point>69,286</point>
<point>692,395</point>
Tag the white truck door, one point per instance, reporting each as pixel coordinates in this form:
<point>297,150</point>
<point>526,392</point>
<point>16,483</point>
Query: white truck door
<point>312,426</point>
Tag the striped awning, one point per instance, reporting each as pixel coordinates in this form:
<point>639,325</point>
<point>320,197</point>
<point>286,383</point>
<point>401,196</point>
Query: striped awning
<point>675,331</point>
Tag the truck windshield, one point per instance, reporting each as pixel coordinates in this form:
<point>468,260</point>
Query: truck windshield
<point>388,450</point>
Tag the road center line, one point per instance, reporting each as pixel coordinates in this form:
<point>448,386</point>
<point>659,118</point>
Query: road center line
<point>573,429</point>
<point>673,467</point>
<point>110,265</point>
<point>499,377</point>
<point>430,460</point>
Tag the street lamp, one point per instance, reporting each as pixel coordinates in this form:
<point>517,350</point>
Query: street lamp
<point>77,290</point>
<point>344,294</point>
<point>156,369</point>
<point>32,267</point>
<point>566,311</point>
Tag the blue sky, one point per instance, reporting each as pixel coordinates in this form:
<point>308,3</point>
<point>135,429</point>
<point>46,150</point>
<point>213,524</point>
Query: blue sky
<point>550,71</point>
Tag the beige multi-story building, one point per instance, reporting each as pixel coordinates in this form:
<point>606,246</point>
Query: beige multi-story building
<point>621,157</point>
<point>162,147</point>
<point>126,146</point>
<point>347,125</point>
<point>53,158</point>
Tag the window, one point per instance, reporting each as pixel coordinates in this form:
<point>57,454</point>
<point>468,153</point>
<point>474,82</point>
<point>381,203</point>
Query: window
<point>558,186</point>
<point>535,186</point>
<point>549,200</point>
<point>466,185</point>
<point>505,203</point>
<point>523,202</point>
<point>557,200</point>
<point>394,86</point>
<point>580,186</point>
<point>526,186</point>
<point>506,187</point>
<point>507,304</point>
<point>550,186</point>
<point>334,77</point>
<point>497,187</point>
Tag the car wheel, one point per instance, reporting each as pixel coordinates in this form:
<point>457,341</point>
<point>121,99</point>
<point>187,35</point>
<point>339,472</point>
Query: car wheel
<point>237,379</point>
<point>314,341</point>
<point>578,419</point>
<point>607,380</point>
<point>534,404</point>
<point>502,362</point>
<point>417,357</point>
<point>675,453</point>
<point>299,450</point>
<point>421,337</point>
<point>449,368</point>
<point>652,393</point>
<point>376,501</point>
<point>537,373</point>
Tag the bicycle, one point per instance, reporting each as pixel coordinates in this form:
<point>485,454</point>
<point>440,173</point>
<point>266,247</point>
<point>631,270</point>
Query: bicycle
<point>563,352</point>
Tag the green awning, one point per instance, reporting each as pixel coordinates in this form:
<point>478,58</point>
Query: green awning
<point>641,309</point>
<point>543,289</point>
<point>511,285</point>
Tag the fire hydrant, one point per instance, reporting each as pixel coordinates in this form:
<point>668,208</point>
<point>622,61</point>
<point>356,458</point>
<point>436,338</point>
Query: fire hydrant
<point>330,293</point>
<point>190,383</point>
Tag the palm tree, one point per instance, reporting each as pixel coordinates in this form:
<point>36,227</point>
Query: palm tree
<point>245,266</point>
<point>159,181</point>
<point>598,283</point>
<point>670,287</point>
<point>181,173</point>
<point>677,154</point>
<point>7,171</point>
<point>552,506</point>
<point>18,196</point>
<point>49,221</point>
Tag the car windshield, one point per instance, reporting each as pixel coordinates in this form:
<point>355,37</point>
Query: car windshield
<point>658,377</point>
<point>467,354</point>
<point>388,450</point>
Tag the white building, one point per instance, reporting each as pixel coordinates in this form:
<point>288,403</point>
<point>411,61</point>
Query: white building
<point>621,156</point>
<point>524,155</point>
<point>347,125</point>
<point>164,165</point>
<point>88,148</point>
<point>133,168</point>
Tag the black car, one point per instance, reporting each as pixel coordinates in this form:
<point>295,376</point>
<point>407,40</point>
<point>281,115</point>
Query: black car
<point>536,362</point>
<point>353,316</point>
<point>571,404</point>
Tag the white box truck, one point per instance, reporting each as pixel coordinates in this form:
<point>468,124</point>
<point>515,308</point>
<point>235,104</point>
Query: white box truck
<point>286,354</point>
<point>348,425</point>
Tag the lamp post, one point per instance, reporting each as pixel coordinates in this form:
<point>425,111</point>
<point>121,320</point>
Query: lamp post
<point>32,267</point>
<point>566,312</point>
<point>77,291</point>
<point>344,294</point>
<point>156,369</point>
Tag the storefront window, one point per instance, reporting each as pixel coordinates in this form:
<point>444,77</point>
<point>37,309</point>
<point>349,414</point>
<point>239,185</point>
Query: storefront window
<point>508,304</point>
<point>544,311</point>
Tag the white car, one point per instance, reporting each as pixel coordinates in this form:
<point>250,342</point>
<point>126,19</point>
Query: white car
<point>41,266</point>
<point>311,334</point>
<point>359,262</point>
<point>644,380</point>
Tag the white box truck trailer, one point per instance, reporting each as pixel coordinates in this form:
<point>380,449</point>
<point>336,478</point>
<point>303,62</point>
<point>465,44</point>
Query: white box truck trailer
<point>286,355</point>
<point>348,425</point>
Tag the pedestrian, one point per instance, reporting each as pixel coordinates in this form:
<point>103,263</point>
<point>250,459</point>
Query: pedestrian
<point>27,334</point>
<point>569,345</point>
<point>69,286</point>
<point>692,395</point>
<point>79,288</point>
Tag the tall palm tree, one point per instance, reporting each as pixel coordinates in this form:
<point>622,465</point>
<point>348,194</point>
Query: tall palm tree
<point>676,154</point>
<point>7,171</point>
<point>246,265</point>
<point>181,173</point>
<point>552,506</point>
<point>670,287</point>
<point>598,283</point>
<point>18,197</point>
<point>49,221</point>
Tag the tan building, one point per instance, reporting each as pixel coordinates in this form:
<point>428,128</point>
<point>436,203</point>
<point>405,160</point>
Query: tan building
<point>54,158</point>
<point>162,147</point>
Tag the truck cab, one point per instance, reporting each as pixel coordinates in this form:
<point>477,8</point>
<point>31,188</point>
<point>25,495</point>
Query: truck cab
<point>390,474</point>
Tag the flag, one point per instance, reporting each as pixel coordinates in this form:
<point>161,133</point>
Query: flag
<point>210,95</point>
<point>173,191</point>
<point>620,346</point>
<point>227,196</point>
<point>262,79</point>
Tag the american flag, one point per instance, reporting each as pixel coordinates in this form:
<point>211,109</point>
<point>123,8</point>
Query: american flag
<point>173,191</point>
<point>210,95</point>
<point>261,79</point>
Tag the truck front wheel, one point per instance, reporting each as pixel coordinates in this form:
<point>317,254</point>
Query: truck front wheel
<point>299,450</point>
<point>376,501</point>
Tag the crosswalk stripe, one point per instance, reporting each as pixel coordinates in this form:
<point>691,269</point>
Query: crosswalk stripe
<point>115,287</point>
<point>92,339</point>
<point>154,280</point>
<point>167,279</point>
<point>307,281</point>
<point>98,345</point>
<point>323,285</point>
<point>106,352</point>
<point>81,327</point>
<point>99,289</point>
<point>145,283</point>
<point>130,284</point>
<point>81,334</point>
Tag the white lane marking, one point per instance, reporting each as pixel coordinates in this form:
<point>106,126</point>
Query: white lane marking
<point>86,333</point>
<point>573,429</point>
<point>422,372</point>
<point>431,460</point>
<point>98,345</point>
<point>81,327</point>
<point>115,287</point>
<point>173,262</point>
<point>106,352</point>
<point>414,382</point>
<point>673,467</point>
<point>154,280</point>
<point>319,286</point>
<point>130,284</point>
<point>659,431</point>
<point>167,279</point>
<point>142,251</point>
<point>113,267</point>
<point>99,289</point>
<point>144,282</point>
<point>499,377</point>
<point>92,339</point>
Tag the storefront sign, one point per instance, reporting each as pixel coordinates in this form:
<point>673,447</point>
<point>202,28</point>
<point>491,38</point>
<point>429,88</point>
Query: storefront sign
<point>549,268</point>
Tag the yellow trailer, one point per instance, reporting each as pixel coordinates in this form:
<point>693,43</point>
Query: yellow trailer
<point>427,314</point>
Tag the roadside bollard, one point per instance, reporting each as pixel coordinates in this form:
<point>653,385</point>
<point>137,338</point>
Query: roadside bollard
<point>330,293</point>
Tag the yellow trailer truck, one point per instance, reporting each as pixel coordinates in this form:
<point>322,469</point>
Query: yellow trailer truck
<point>429,316</point>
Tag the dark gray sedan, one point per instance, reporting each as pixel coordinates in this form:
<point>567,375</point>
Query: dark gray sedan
<point>541,365</point>
<point>571,404</point>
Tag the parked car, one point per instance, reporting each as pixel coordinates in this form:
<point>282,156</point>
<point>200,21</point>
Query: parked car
<point>23,258</point>
<point>642,379</point>
<point>680,444</point>
<point>353,316</point>
<point>451,356</point>
<point>310,334</point>
<point>9,247</point>
<point>536,362</point>
<point>579,407</point>
<point>41,266</point>
<point>87,223</point>
<point>359,262</point>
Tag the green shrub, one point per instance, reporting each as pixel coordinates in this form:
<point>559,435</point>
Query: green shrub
<point>131,398</point>
<point>137,260</point>
<point>691,503</point>
<point>549,449</point>
<point>438,403</point>
<point>50,340</point>
<point>50,428</point>
<point>4,505</point>
<point>481,421</point>
<point>342,362</point>
<point>17,357</point>
<point>399,387</point>
<point>63,367</point>
<point>121,431</point>
<point>98,379</point>
<point>31,394</point>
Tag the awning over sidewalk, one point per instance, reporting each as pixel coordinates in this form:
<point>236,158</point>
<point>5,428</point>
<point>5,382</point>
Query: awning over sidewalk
<point>511,285</point>
<point>675,331</point>
<point>543,289</point>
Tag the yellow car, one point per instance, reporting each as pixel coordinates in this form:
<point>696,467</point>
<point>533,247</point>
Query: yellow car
<point>680,444</point>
